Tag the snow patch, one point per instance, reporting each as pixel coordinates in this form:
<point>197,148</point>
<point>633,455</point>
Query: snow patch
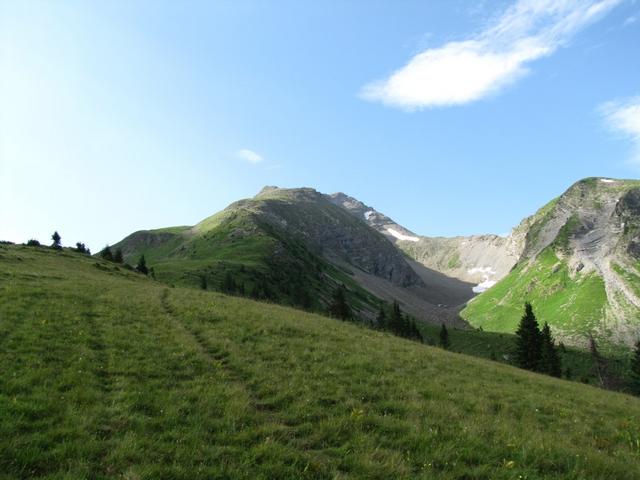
<point>483,270</point>
<point>486,284</point>
<point>369,214</point>
<point>401,236</point>
<point>607,180</point>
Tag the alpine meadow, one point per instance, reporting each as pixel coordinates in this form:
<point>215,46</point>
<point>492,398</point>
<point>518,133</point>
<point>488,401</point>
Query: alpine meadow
<point>195,282</point>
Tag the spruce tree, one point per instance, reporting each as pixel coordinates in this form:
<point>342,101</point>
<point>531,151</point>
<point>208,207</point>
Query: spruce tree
<point>549,357</point>
<point>106,254</point>
<point>528,340</point>
<point>339,308</point>
<point>56,240</point>
<point>118,257</point>
<point>381,320</point>
<point>395,323</point>
<point>635,370</point>
<point>142,266</point>
<point>444,337</point>
<point>203,282</point>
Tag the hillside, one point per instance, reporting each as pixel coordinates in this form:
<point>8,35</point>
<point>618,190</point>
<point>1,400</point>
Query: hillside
<point>105,373</point>
<point>578,267</point>
<point>295,246</point>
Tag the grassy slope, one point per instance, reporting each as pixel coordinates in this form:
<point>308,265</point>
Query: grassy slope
<point>573,305</point>
<point>104,373</point>
<point>237,242</point>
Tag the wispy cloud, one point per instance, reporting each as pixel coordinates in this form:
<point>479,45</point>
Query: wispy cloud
<point>464,71</point>
<point>249,156</point>
<point>623,117</point>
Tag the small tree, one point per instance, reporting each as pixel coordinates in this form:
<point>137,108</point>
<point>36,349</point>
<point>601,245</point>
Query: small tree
<point>81,248</point>
<point>444,337</point>
<point>118,257</point>
<point>142,266</point>
<point>339,308</point>
<point>549,358</point>
<point>635,370</point>
<point>56,240</point>
<point>528,341</point>
<point>381,319</point>
<point>33,243</point>
<point>599,367</point>
<point>106,254</point>
<point>203,282</point>
<point>395,323</point>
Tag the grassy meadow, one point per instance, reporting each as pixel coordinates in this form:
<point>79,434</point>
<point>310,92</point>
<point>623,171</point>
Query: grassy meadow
<point>105,373</point>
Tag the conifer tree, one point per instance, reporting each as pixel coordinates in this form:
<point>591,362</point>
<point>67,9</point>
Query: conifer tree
<point>635,370</point>
<point>549,357</point>
<point>81,248</point>
<point>444,337</point>
<point>339,308</point>
<point>56,240</point>
<point>528,341</point>
<point>118,257</point>
<point>203,282</point>
<point>106,254</point>
<point>395,323</point>
<point>142,266</point>
<point>381,320</point>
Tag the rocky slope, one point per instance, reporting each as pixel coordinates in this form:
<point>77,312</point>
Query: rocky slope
<point>479,259</point>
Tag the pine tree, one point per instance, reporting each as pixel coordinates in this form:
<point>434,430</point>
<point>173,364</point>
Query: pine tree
<point>81,248</point>
<point>106,254</point>
<point>549,358</point>
<point>415,332</point>
<point>528,341</point>
<point>444,337</point>
<point>203,282</point>
<point>381,320</point>
<point>339,308</point>
<point>635,370</point>
<point>56,240</point>
<point>142,266</point>
<point>229,284</point>
<point>395,323</point>
<point>599,367</point>
<point>118,257</point>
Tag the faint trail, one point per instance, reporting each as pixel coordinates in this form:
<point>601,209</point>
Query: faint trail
<point>220,358</point>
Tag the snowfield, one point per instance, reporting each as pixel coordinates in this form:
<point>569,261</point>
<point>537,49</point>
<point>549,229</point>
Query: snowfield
<point>401,236</point>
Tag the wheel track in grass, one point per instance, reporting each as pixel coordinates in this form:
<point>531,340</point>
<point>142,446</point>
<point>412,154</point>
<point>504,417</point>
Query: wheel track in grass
<point>220,358</point>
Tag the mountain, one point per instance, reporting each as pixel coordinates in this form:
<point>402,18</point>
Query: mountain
<point>479,259</point>
<point>295,246</point>
<point>578,266</point>
<point>106,373</point>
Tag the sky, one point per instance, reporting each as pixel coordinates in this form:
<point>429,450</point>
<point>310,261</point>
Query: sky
<point>452,117</point>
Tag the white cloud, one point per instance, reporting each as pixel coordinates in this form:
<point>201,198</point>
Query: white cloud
<point>623,116</point>
<point>464,71</point>
<point>249,156</point>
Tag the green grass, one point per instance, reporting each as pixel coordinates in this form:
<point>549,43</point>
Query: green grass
<point>108,374</point>
<point>574,306</point>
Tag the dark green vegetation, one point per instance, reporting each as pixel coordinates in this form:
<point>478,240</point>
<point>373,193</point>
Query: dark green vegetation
<point>105,373</point>
<point>535,348</point>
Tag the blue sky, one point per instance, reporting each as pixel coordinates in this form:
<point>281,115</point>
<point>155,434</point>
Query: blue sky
<point>453,117</point>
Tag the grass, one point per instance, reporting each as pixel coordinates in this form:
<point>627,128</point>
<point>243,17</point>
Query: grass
<point>574,306</point>
<point>108,374</point>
